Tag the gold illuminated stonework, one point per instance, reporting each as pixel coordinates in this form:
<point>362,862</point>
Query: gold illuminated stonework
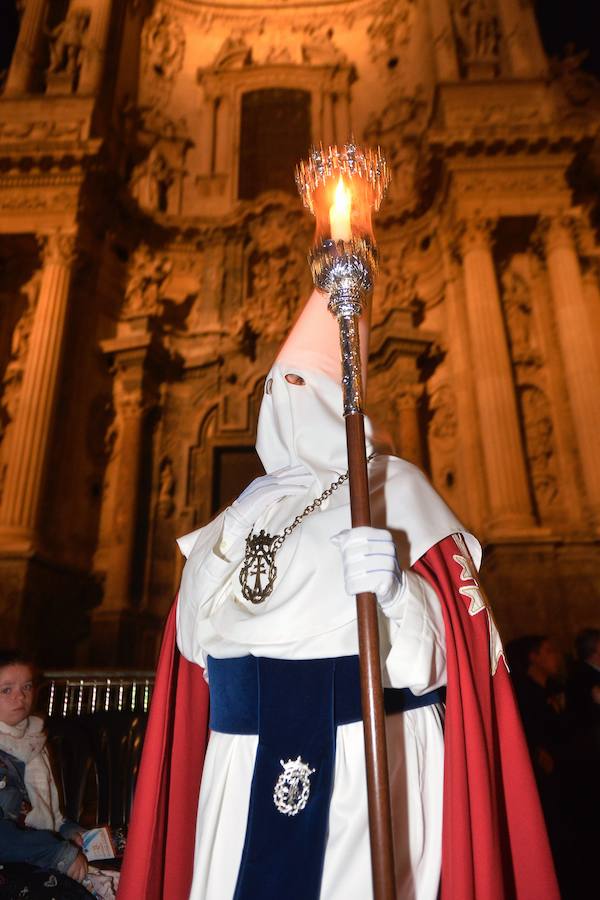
<point>153,256</point>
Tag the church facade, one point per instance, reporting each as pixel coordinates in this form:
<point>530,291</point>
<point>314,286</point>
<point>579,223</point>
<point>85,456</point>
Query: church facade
<point>153,256</point>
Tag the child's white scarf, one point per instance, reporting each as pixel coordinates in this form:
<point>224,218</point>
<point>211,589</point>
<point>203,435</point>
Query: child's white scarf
<point>27,742</point>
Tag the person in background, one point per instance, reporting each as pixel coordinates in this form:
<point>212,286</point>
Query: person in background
<point>583,708</point>
<point>33,829</point>
<point>536,664</point>
<point>583,688</point>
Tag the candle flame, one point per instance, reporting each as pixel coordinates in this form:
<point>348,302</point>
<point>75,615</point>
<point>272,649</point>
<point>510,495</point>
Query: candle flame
<point>339,213</point>
<point>342,199</point>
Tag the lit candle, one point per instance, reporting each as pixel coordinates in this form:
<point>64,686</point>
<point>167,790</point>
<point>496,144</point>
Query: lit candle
<point>339,213</point>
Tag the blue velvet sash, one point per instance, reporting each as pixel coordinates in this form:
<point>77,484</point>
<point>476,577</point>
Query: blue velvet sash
<point>295,707</point>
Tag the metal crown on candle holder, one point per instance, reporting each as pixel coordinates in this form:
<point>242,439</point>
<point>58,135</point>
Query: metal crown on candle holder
<point>341,186</point>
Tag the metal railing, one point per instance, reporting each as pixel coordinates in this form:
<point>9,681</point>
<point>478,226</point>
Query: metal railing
<point>87,692</point>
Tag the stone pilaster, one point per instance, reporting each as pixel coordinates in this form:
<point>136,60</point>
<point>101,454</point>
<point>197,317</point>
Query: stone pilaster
<point>522,37</point>
<point>446,62</point>
<point>410,445</point>
<point>32,428</point>
<point>131,408</point>
<point>25,56</point>
<point>137,358</point>
<point>504,461</point>
<point>95,47</point>
<point>577,343</point>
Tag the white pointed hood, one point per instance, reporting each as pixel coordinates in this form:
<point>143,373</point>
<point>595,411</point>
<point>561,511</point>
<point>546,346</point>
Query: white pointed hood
<point>304,424</point>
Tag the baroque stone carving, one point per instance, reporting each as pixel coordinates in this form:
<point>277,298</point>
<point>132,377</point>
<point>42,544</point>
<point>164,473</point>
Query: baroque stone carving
<point>275,271</point>
<point>516,295</point>
<point>474,233</point>
<point>163,42</point>
<point>443,425</point>
<point>66,44</point>
<point>539,441</point>
<point>319,49</point>
<point>397,130</point>
<point>396,283</point>
<point>19,200</point>
<point>390,29</point>
<point>147,273</point>
<point>151,181</point>
<point>166,488</point>
<point>234,52</point>
<point>19,346</point>
<point>58,248</point>
<point>478,32</point>
<point>39,131</point>
<point>578,87</point>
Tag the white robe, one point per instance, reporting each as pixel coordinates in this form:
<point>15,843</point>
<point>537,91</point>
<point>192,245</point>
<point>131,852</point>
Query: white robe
<point>308,616</point>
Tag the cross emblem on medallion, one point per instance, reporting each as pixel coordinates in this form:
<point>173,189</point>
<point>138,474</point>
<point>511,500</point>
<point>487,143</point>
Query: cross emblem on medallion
<point>259,571</point>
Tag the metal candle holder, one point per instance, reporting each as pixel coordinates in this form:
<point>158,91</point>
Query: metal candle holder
<point>345,269</point>
<point>343,262</point>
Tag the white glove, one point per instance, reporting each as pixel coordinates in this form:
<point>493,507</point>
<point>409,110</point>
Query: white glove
<point>260,494</point>
<point>370,563</point>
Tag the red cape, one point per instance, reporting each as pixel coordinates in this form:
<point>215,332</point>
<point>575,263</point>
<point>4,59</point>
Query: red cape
<point>494,839</point>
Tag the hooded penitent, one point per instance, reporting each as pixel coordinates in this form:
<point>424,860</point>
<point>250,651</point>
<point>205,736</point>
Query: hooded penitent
<point>494,845</point>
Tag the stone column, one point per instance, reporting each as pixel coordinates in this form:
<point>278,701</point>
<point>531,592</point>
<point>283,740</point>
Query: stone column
<point>27,48</point>
<point>443,41</point>
<point>95,48</point>
<point>522,38</point>
<point>577,342</point>
<point>504,461</point>
<point>408,430</point>
<point>32,429</point>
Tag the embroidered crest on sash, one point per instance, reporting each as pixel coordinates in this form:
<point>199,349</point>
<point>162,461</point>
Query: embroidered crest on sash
<point>292,788</point>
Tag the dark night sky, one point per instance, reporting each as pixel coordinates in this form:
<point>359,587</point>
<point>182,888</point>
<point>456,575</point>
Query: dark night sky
<point>560,21</point>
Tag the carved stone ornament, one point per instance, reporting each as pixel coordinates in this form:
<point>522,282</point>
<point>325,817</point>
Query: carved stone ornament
<point>478,32</point>
<point>318,47</point>
<point>396,283</point>
<point>516,295</point>
<point>166,488</point>
<point>66,45</point>
<point>443,425</point>
<point>147,273</point>
<point>390,29</point>
<point>234,52</point>
<point>474,233</point>
<point>539,442</point>
<point>58,248</point>
<point>151,182</point>
<point>10,387</point>
<point>163,43</point>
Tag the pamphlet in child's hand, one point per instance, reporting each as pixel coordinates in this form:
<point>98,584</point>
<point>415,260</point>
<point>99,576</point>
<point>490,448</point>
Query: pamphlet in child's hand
<point>98,844</point>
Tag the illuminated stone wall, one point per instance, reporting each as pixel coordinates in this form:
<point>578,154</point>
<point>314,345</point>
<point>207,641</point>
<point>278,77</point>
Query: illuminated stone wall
<point>143,300</point>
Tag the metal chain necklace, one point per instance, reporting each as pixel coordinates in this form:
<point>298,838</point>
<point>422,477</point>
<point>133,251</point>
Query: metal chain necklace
<point>258,573</point>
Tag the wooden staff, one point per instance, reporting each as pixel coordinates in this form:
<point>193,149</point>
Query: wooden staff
<point>378,787</point>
